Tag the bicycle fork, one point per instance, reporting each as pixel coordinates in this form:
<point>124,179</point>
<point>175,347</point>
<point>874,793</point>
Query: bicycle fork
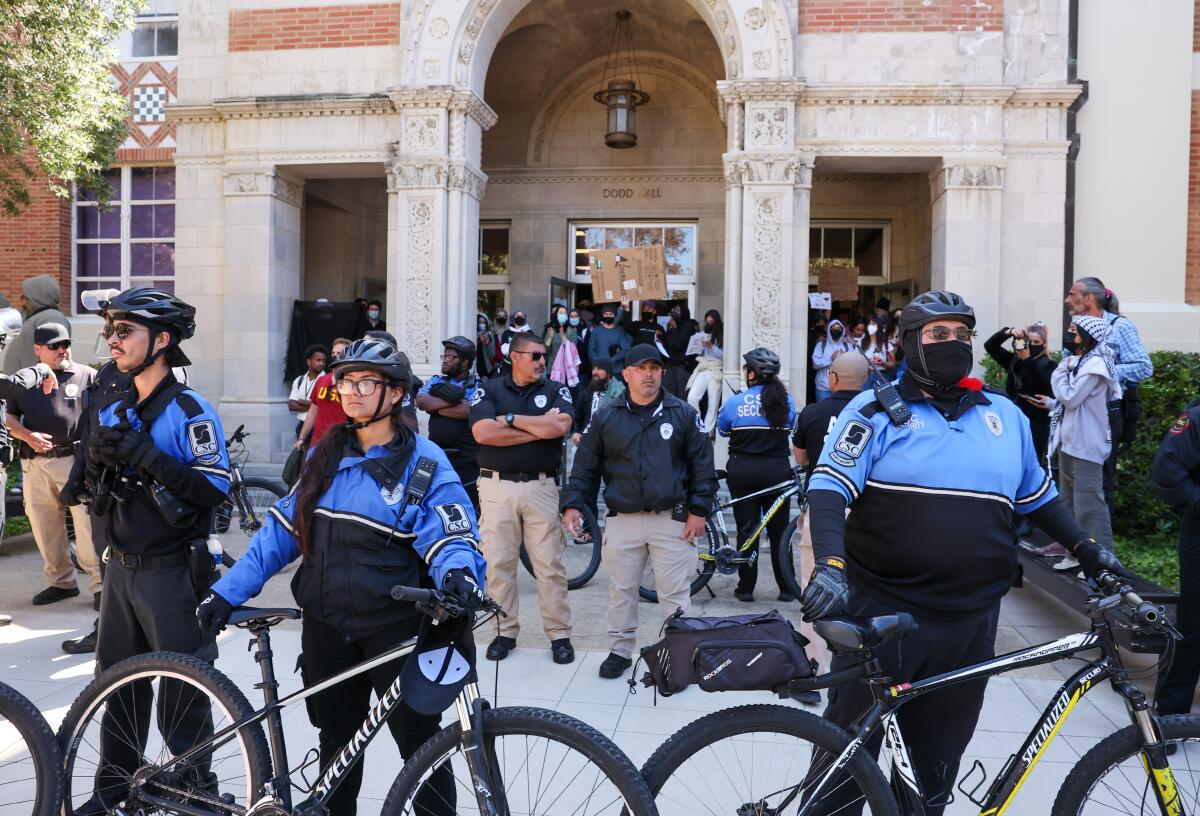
<point>1154,750</point>
<point>480,755</point>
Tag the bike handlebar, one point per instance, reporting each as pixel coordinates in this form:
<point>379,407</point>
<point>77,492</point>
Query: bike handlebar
<point>237,436</point>
<point>415,594</point>
<point>1143,613</point>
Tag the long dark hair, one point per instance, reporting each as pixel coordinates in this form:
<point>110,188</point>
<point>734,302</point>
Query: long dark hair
<point>718,329</point>
<point>775,401</point>
<point>319,471</point>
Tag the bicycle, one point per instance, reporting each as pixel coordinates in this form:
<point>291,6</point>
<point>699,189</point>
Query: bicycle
<point>715,553</point>
<point>491,753</point>
<point>30,763</point>
<point>581,551</point>
<point>788,759</point>
<point>249,497</point>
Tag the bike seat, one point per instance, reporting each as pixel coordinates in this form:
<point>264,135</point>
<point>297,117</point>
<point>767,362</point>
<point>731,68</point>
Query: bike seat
<point>246,614</point>
<point>848,634</point>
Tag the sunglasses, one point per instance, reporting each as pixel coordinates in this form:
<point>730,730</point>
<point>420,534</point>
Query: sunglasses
<point>61,344</point>
<point>365,388</point>
<point>533,355</point>
<point>940,334</point>
<point>121,330</point>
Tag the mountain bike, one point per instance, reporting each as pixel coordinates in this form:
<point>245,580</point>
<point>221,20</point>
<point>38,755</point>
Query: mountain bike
<point>769,759</point>
<point>249,497</point>
<point>581,552</point>
<point>716,553</point>
<point>502,760</point>
<point>30,764</point>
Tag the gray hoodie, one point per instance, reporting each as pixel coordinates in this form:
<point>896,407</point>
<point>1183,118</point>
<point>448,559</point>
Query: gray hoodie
<point>827,348</point>
<point>41,306</point>
<point>1083,390</point>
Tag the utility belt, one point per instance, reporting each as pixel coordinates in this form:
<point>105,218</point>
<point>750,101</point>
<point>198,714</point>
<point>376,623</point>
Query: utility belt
<point>488,473</point>
<point>201,564</point>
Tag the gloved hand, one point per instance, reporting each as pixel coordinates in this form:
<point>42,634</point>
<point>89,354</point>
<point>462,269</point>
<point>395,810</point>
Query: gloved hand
<point>1094,559</point>
<point>826,593</point>
<point>448,392</point>
<point>126,447</point>
<point>460,585</point>
<point>213,613</point>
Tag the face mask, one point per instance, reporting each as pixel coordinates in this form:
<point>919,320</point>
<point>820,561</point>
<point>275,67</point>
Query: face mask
<point>518,322</point>
<point>574,321</point>
<point>1036,348</point>
<point>708,325</point>
<point>483,327</point>
<point>500,321</point>
<point>836,334</point>
<point>562,319</point>
<point>942,363</point>
<point>647,315</point>
<point>599,383</point>
<point>373,314</point>
<point>872,329</point>
<point>608,320</point>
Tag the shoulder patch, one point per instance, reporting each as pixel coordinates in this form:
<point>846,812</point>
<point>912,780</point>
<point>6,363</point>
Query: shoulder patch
<point>1181,424</point>
<point>699,421</point>
<point>189,405</point>
<point>203,441</point>
<point>851,442</point>
<point>565,393</point>
<point>454,518</point>
<point>477,397</point>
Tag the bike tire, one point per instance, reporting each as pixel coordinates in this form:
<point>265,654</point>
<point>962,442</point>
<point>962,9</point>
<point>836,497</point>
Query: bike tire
<point>530,724</point>
<point>789,555</point>
<point>1124,747</point>
<point>39,775</point>
<point>199,675</point>
<point>759,728</point>
<point>583,563</point>
<point>705,567</point>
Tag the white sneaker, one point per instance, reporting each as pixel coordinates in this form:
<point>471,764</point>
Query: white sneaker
<point>1066,564</point>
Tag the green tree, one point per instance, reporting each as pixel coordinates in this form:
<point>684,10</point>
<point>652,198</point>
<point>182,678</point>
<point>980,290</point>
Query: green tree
<point>59,110</point>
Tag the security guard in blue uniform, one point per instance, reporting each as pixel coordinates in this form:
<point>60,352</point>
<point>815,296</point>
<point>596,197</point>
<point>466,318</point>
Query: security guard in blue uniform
<point>157,467</point>
<point>931,490</point>
<point>447,399</point>
<point>1176,477</point>
<point>758,422</point>
<point>376,506</point>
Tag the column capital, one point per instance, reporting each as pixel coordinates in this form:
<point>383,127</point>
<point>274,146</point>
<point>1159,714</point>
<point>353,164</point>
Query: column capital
<point>444,97</point>
<point>417,172</point>
<point>976,175</point>
<point>733,91</point>
<point>263,181</point>
<point>793,169</point>
<point>468,179</point>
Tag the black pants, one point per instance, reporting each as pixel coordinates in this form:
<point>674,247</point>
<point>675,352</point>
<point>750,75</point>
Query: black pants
<point>936,727</point>
<point>749,474</point>
<point>1116,422</point>
<point>1177,681</point>
<point>675,380</point>
<point>147,611</point>
<point>340,710</point>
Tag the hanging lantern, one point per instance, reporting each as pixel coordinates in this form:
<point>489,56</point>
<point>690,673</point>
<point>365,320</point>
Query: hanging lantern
<point>619,94</point>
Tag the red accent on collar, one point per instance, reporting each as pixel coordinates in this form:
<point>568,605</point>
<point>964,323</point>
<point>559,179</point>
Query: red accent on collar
<point>971,384</point>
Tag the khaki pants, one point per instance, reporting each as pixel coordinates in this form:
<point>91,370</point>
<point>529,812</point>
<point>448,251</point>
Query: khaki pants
<point>44,479</point>
<point>512,512</point>
<point>629,540</point>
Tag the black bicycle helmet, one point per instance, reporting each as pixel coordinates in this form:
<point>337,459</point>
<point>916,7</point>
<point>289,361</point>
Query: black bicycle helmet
<point>763,362</point>
<point>937,305</point>
<point>369,354</point>
<point>464,347</point>
<point>141,304</point>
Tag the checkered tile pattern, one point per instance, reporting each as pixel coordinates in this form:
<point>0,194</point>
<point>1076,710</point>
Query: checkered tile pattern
<point>148,101</point>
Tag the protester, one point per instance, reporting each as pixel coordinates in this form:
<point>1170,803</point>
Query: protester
<point>326,408</point>
<point>708,377</point>
<point>608,339</point>
<point>829,348</point>
<point>878,352</point>
<point>1029,368</point>
<point>488,356</point>
<point>881,311</point>
<point>603,390</point>
<point>648,329</point>
<point>561,341</point>
<point>299,399</point>
<point>680,328</point>
<point>375,316</point>
<point>657,467</point>
<point>40,303</point>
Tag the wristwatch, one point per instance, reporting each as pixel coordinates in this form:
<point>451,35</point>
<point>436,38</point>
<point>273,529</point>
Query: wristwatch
<point>509,419</point>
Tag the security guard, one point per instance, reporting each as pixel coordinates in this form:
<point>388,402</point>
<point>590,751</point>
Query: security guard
<point>757,423</point>
<point>519,420</point>
<point>376,506</point>
<point>157,467</point>
<point>659,484</point>
<point>1176,477</point>
<point>930,531</point>
<point>447,399</point>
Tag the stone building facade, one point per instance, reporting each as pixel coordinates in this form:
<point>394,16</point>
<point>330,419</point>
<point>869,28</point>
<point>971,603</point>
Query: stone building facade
<point>447,156</point>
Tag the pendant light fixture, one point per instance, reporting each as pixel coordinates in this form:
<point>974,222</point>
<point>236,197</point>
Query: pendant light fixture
<point>619,92</point>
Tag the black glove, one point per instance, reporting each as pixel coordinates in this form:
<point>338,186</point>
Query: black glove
<point>1095,559</point>
<point>826,593</point>
<point>213,613</point>
<point>126,447</point>
<point>449,392</point>
<point>460,585</point>
<point>69,495</point>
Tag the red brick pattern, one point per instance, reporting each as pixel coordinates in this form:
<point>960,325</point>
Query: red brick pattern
<point>36,242</point>
<point>852,16</point>
<point>345,26</point>
<point>1191,280</point>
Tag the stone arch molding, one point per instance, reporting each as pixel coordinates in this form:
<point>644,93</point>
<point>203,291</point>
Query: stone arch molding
<point>450,42</point>
<point>587,76</point>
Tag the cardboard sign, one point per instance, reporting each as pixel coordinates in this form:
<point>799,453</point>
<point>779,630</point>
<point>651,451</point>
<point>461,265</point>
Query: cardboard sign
<point>820,300</point>
<point>841,282</point>
<point>637,273</point>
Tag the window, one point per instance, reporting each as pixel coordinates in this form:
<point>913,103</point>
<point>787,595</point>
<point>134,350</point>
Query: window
<point>155,38</point>
<point>850,243</point>
<point>133,244</point>
<point>492,293</point>
<point>678,241</point>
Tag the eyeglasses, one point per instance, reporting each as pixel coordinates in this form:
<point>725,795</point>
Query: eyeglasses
<point>61,344</point>
<point>365,388</point>
<point>121,330</point>
<point>940,334</point>
<point>533,355</point>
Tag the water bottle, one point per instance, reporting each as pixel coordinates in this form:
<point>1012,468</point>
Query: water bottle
<point>214,549</point>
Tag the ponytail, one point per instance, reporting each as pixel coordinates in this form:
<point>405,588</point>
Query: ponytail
<point>775,403</point>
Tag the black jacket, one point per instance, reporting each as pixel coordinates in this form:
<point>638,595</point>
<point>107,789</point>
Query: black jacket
<point>1176,469</point>
<point>663,463</point>
<point>1030,376</point>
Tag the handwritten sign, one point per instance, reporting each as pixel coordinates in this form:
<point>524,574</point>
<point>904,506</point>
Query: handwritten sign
<point>636,273</point>
<point>841,282</point>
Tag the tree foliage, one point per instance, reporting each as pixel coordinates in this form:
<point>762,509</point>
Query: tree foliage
<point>59,110</point>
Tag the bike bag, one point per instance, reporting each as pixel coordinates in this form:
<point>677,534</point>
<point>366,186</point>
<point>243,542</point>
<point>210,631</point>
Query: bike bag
<point>736,653</point>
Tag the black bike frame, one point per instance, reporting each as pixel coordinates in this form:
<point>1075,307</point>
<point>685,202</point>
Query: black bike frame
<point>907,787</point>
<point>789,488</point>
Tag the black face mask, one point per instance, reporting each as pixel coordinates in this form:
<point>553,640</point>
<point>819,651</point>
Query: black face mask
<point>608,320</point>
<point>518,322</point>
<point>708,325</point>
<point>836,334</point>
<point>500,321</point>
<point>1036,349</point>
<point>938,367</point>
<point>599,383</point>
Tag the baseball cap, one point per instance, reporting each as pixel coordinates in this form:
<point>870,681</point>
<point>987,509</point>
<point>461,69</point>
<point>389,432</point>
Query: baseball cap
<point>48,333</point>
<point>641,353</point>
<point>442,662</point>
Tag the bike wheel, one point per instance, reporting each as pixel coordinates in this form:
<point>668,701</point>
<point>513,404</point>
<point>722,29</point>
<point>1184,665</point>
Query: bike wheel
<point>1111,778</point>
<point>258,496</point>
<point>30,763</point>
<point>749,759</point>
<point>187,700</point>
<point>540,762</point>
<point>581,553</point>
<point>790,554</point>
<point>705,567</point>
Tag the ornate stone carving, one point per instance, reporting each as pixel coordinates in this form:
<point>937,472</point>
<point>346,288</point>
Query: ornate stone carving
<point>432,68</point>
<point>287,190</point>
<point>762,60</point>
<point>767,272</point>
<point>249,182</point>
<point>444,97</point>
<point>439,28</point>
<point>753,168</point>
<point>965,177</point>
<point>755,18</point>
<point>410,172</point>
<point>418,279</point>
<point>422,132</point>
<point>465,52</point>
<point>768,126</point>
<point>470,181</point>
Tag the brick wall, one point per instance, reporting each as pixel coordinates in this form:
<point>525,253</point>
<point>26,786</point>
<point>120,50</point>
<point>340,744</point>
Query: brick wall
<point>36,242</point>
<point>844,16</point>
<point>316,27</point>
<point>1191,285</point>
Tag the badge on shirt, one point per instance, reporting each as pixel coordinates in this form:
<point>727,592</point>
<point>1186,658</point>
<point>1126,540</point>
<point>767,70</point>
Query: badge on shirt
<point>699,421</point>
<point>477,397</point>
<point>71,390</point>
<point>1181,424</point>
<point>540,400</point>
<point>565,393</point>
<point>202,437</point>
<point>666,429</point>
<point>454,518</point>
<point>992,420</point>
<point>851,442</point>
<point>393,496</point>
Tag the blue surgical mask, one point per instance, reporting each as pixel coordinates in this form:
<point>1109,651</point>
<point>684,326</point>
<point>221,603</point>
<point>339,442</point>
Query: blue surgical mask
<point>373,314</point>
<point>562,319</point>
<point>574,321</point>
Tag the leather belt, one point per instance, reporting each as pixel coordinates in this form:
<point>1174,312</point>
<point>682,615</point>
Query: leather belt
<point>487,473</point>
<point>58,452</point>
<point>134,561</point>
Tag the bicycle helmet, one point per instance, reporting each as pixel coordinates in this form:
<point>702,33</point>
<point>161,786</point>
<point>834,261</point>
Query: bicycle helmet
<point>157,310</point>
<point>464,347</point>
<point>763,362</point>
<point>937,305</point>
<point>370,354</point>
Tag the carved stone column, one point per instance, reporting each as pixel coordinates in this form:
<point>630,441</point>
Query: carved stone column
<point>261,281</point>
<point>967,201</point>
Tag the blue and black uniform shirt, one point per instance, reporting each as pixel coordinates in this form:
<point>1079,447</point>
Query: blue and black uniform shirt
<point>750,432</point>
<point>931,502</point>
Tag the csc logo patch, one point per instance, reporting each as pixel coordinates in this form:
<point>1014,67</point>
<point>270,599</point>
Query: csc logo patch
<point>454,518</point>
<point>851,442</point>
<point>202,439</point>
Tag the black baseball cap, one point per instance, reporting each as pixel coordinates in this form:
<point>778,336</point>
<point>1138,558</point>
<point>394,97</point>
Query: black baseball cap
<point>48,333</point>
<point>442,662</point>
<point>641,353</point>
